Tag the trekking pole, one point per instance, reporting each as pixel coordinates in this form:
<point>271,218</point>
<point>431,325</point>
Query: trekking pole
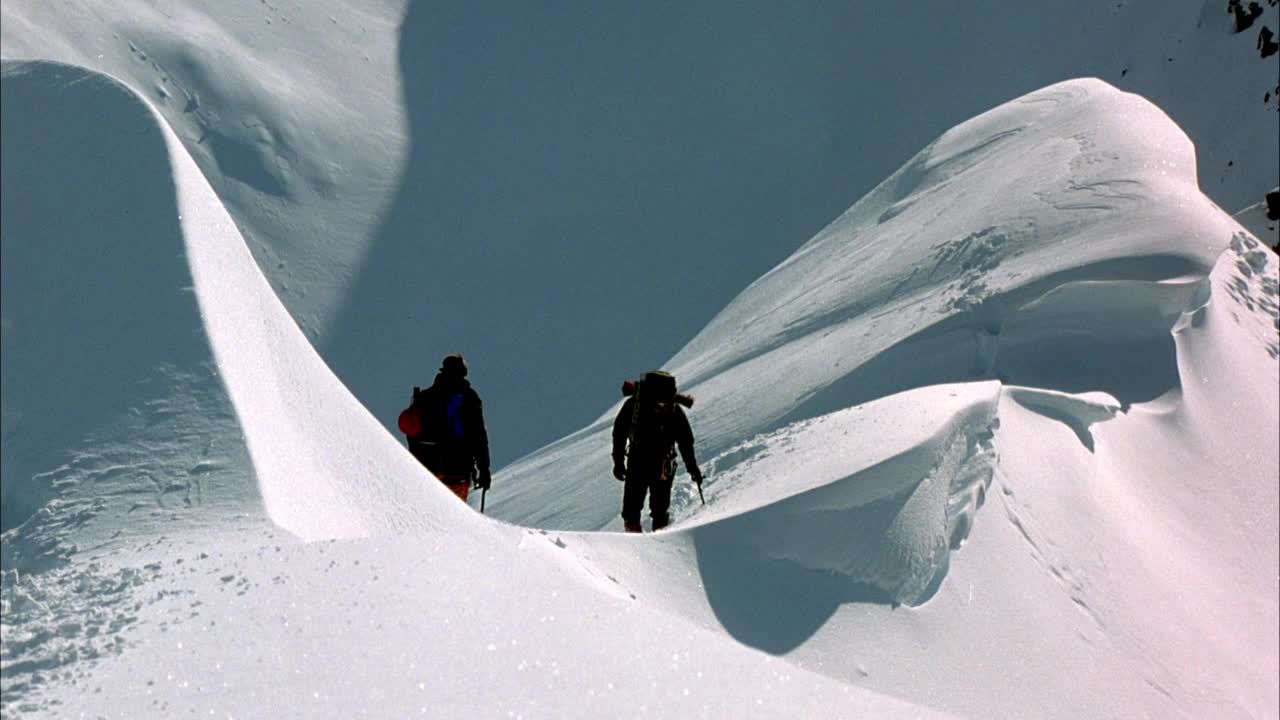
<point>700,497</point>
<point>482,494</point>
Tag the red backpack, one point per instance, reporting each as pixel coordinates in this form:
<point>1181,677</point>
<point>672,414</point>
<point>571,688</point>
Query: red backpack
<point>409,422</point>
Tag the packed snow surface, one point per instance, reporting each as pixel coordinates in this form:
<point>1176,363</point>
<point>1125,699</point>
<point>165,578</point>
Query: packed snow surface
<point>998,441</point>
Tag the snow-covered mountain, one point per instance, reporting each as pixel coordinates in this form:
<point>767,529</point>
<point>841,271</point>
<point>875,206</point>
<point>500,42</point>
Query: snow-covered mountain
<point>998,441</point>
<point>418,178</point>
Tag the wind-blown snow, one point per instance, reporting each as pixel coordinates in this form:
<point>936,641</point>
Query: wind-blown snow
<point>284,396</point>
<point>515,158</point>
<point>1045,247</point>
<point>1000,440</point>
<point>939,276</point>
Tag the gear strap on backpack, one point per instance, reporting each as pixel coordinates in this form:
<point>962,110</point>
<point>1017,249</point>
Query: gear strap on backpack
<point>654,389</point>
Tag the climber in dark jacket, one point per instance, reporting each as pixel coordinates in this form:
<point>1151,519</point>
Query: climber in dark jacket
<point>449,436</point>
<point>648,428</point>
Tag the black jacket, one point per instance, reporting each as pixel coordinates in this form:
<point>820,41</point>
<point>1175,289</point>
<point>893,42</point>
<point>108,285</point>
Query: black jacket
<point>453,440</point>
<point>657,428</point>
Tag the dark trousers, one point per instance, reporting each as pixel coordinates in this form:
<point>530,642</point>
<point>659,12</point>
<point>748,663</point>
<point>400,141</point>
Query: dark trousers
<point>457,479</point>
<point>659,492</point>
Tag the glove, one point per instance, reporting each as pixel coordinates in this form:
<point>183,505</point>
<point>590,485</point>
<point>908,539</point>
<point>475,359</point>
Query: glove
<point>619,471</point>
<point>696,474</point>
<point>484,480</point>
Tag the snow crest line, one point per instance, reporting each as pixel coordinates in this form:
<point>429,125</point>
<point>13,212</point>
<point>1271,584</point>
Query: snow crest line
<point>885,529</point>
<point>249,391</point>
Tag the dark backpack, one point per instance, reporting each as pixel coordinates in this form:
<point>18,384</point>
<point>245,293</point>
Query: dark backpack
<point>649,439</point>
<point>434,424</point>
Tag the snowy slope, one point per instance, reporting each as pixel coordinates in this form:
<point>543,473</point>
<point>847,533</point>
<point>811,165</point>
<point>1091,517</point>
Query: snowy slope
<point>1066,225</point>
<point>110,387</point>
<point>514,157</point>
<point>1128,446</point>
<point>999,441</point>
<point>1050,525</point>
<point>127,629</point>
<point>293,113</point>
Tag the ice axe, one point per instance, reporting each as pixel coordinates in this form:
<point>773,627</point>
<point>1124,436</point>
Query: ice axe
<point>483,489</point>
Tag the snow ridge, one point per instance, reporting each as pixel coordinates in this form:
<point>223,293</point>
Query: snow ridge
<point>993,325</point>
<point>1001,243</point>
<point>142,430</point>
<point>889,527</point>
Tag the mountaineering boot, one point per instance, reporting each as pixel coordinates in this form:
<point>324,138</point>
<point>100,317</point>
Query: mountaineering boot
<point>631,527</point>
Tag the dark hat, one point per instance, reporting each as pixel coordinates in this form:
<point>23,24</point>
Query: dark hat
<point>454,365</point>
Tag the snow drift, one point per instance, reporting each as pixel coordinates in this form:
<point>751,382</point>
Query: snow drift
<point>1015,409</point>
<point>125,315</point>
<point>1058,246</point>
<point>1052,242</point>
<point>75,609</point>
<point>511,155</point>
